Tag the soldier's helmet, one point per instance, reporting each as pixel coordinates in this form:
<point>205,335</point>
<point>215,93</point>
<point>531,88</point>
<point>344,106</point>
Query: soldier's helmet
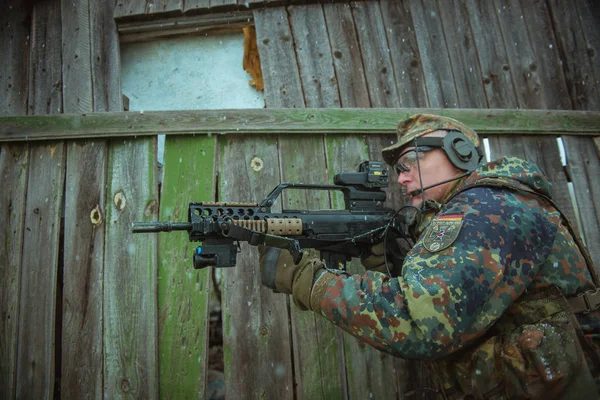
<point>422,124</point>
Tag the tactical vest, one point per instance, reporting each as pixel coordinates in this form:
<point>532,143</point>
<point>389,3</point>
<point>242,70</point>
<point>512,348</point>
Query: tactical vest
<point>535,350</point>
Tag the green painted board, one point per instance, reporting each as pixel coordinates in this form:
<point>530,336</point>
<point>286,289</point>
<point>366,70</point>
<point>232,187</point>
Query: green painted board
<point>183,292</point>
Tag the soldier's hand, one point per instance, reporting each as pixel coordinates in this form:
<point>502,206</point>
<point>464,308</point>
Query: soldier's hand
<point>278,272</point>
<point>376,260</point>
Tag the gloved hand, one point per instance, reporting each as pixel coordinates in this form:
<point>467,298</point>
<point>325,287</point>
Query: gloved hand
<point>376,260</point>
<point>278,272</point>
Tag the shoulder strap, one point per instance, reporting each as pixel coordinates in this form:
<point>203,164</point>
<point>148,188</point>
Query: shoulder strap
<point>520,187</point>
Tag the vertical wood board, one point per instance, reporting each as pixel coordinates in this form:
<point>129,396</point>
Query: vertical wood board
<point>81,371</point>
<point>573,52</point>
<point>379,71</point>
<point>278,59</point>
<point>84,226</point>
<point>441,90</point>
<point>347,60</point>
<point>314,56</point>
<point>492,58</point>
<point>13,172</point>
<point>127,8</point>
<point>404,53</point>
<point>463,53</point>
<point>14,45</point>
<point>589,12</point>
<point>183,292</point>
<point>547,65</point>
<point>37,314</point>
<point>105,54</point>
<point>256,336</point>
<point>130,315</point>
<point>35,370</point>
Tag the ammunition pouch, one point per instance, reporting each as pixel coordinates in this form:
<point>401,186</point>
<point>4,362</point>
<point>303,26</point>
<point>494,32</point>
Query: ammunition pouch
<point>533,351</point>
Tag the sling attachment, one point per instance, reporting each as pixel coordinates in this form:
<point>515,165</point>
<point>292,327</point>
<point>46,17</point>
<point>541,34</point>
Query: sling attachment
<point>585,302</point>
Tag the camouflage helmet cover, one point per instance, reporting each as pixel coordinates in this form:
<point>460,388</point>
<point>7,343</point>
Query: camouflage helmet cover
<point>420,125</point>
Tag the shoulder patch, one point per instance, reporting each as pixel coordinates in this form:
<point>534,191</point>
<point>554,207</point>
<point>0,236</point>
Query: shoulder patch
<point>442,232</point>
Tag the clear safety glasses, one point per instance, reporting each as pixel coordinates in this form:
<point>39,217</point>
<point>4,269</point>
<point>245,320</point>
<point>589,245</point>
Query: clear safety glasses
<point>408,159</point>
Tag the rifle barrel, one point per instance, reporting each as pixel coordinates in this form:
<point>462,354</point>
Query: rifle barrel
<point>141,227</point>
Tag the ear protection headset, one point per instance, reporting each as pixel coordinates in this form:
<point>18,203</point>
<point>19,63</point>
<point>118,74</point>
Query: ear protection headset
<point>460,151</point>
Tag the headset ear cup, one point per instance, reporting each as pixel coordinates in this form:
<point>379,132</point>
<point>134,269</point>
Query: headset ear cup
<point>461,153</point>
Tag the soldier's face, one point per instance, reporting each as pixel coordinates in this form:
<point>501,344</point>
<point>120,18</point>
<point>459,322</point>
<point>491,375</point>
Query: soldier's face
<point>434,167</point>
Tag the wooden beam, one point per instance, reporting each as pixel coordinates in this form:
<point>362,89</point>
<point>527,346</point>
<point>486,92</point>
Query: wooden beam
<point>288,121</point>
<point>137,31</point>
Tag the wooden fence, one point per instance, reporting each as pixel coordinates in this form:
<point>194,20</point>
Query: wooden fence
<point>91,311</point>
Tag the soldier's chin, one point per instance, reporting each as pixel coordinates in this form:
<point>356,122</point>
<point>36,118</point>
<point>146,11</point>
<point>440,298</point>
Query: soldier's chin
<point>415,201</point>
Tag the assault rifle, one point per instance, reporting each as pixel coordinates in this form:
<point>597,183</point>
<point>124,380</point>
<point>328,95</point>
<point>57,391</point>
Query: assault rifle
<point>338,234</point>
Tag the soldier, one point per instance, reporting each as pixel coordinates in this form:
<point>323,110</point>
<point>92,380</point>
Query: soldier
<point>498,293</point>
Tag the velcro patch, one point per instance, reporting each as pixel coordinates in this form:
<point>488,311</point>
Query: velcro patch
<point>442,232</point>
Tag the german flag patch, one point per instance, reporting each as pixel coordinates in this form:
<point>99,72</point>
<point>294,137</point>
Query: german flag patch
<point>442,232</point>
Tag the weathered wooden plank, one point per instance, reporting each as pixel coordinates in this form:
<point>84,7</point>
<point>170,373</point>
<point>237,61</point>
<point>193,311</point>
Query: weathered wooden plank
<point>347,60</point>
<point>313,52</point>
<point>77,65</point>
<point>165,7</point>
<point>256,337</point>
<point>460,42</point>
<point>495,68</point>
<point>81,357</point>
<point>221,3</point>
<point>14,45</point>
<point>130,315</point>
<point>83,271</point>
<point>531,56</point>
<point>36,338</point>
<point>404,53</point>
<point>374,121</point>
<point>106,66</point>
<point>183,293</point>
<point>589,12</point>
<point>584,168</point>
<point>543,42</point>
<point>13,171</point>
<point>277,56</point>
<point>437,69</point>
<point>573,50</point>
<point>129,8</point>
<point>191,5</point>
<point>379,72</point>
<point>137,31</point>
<point>37,309</point>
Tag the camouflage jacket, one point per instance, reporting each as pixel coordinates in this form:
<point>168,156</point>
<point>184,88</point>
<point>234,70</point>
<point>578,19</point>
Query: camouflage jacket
<point>485,248</point>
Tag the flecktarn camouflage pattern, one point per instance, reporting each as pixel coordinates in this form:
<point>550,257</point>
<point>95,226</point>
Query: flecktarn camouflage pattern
<point>421,124</point>
<point>461,302</point>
